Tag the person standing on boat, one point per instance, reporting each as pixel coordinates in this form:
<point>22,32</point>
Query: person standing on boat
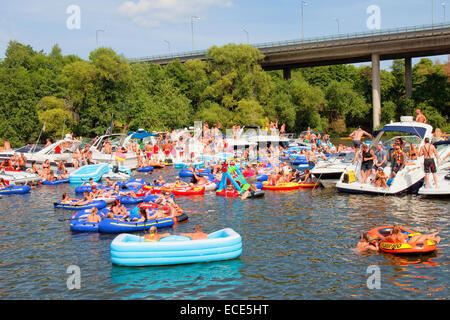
<point>428,151</point>
<point>380,160</point>
<point>367,157</point>
<point>356,137</point>
<point>420,117</point>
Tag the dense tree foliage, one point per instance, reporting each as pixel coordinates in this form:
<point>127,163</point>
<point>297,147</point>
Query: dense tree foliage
<point>69,93</point>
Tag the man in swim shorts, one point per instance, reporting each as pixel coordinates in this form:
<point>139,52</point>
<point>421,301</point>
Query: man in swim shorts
<point>356,137</point>
<point>428,151</point>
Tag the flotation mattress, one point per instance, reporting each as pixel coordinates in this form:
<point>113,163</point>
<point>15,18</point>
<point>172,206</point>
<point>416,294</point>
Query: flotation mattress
<point>13,189</point>
<point>51,183</point>
<point>99,204</point>
<point>281,186</point>
<point>145,169</point>
<point>132,250</point>
<point>400,248</point>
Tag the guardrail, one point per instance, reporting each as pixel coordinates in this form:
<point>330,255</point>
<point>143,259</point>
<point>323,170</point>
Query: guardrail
<point>275,44</point>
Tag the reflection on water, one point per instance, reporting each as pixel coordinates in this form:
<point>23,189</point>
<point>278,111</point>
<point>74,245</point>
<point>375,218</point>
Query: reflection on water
<point>296,245</point>
<point>193,281</point>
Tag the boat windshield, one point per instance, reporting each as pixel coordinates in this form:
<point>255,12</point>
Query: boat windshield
<point>30,148</point>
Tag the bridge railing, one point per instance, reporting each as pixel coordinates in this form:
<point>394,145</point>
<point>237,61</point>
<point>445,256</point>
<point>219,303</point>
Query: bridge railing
<point>274,44</point>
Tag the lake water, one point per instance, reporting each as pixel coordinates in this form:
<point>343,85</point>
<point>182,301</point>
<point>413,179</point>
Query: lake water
<point>296,245</point>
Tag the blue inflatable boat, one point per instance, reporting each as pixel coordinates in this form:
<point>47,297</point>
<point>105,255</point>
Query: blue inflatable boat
<point>78,221</point>
<point>52,183</point>
<point>94,171</point>
<point>88,188</point>
<point>99,204</point>
<point>110,225</point>
<point>132,250</point>
<point>145,169</point>
<point>12,189</point>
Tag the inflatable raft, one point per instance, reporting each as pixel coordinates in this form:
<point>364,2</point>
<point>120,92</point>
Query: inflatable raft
<point>186,191</point>
<point>309,185</point>
<point>99,204</point>
<point>110,225</point>
<point>281,186</point>
<point>88,188</point>
<point>145,169</point>
<point>52,183</point>
<point>78,221</point>
<point>400,248</point>
<point>131,250</point>
<point>13,189</point>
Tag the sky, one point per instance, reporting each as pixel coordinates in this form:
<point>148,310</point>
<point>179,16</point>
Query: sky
<point>139,28</point>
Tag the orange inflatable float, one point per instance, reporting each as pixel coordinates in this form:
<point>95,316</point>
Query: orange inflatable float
<point>401,248</point>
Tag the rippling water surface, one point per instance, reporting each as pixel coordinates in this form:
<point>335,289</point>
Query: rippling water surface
<point>296,245</point>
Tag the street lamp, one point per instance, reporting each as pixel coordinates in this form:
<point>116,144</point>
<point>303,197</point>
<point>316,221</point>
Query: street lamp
<point>444,4</point>
<point>96,36</point>
<point>246,34</point>
<point>432,12</point>
<point>168,44</point>
<point>192,29</point>
<point>337,21</point>
<point>304,3</point>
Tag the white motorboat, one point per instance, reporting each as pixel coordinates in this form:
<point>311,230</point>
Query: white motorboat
<point>407,180</point>
<point>20,177</point>
<point>61,150</point>
<point>117,141</point>
<point>329,171</point>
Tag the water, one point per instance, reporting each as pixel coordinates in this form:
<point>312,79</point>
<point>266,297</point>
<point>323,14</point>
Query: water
<point>296,245</point>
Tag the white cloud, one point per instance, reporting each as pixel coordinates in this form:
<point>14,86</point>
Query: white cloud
<point>151,13</point>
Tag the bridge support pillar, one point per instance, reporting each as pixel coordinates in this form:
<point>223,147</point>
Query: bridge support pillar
<point>287,74</point>
<point>376,90</point>
<point>408,77</point>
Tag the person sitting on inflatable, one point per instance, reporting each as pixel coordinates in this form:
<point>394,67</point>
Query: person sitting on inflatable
<point>66,200</point>
<point>154,236</point>
<point>3,183</point>
<point>198,233</point>
<point>109,182</point>
<point>197,181</point>
<point>93,216</point>
<point>397,236</point>
<point>160,181</point>
<point>118,209</point>
<point>307,177</point>
<point>90,182</point>
<point>167,204</point>
<point>86,199</point>
<point>367,243</point>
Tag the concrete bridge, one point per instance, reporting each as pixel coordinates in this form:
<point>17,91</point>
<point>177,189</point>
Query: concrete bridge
<point>374,46</point>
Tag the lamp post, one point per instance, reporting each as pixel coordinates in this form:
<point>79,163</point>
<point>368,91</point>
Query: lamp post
<point>304,3</point>
<point>96,36</point>
<point>444,4</point>
<point>246,32</point>
<point>337,21</point>
<point>192,29</point>
<point>432,12</point>
<point>168,44</point>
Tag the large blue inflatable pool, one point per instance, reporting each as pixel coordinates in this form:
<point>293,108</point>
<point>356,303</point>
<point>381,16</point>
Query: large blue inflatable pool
<point>132,250</point>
